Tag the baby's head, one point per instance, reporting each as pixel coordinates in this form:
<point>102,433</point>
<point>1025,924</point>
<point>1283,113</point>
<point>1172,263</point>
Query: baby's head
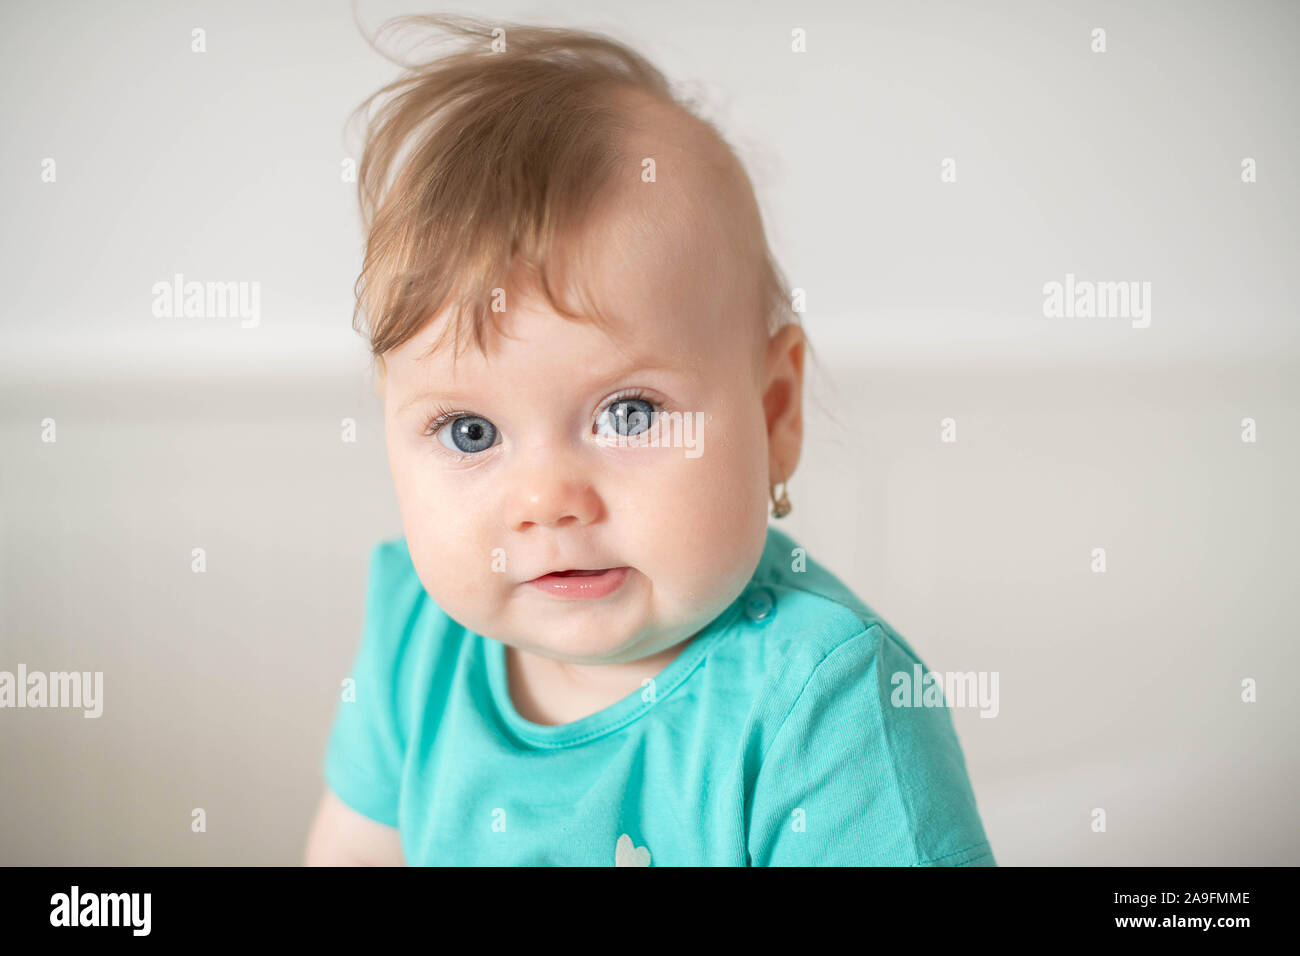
<point>587,355</point>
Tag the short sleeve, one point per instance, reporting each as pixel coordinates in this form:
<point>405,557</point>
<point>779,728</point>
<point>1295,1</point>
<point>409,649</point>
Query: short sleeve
<point>852,780</point>
<point>367,744</point>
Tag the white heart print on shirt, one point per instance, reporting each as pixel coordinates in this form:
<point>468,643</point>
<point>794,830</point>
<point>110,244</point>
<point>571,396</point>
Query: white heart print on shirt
<point>625,854</point>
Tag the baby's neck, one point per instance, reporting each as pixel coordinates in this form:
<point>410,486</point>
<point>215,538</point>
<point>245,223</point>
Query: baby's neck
<point>551,692</point>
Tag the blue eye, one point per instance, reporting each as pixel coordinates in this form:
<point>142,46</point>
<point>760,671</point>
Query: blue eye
<point>626,417</point>
<point>468,435</point>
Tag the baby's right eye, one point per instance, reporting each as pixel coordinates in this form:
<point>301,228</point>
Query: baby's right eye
<point>468,435</point>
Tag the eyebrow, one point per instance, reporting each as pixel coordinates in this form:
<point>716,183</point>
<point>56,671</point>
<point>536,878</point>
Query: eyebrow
<point>601,381</point>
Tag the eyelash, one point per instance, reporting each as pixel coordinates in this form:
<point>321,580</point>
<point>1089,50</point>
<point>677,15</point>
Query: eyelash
<point>630,395</point>
<point>443,416</point>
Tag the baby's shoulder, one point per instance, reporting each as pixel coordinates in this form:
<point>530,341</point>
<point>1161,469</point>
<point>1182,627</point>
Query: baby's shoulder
<point>401,618</point>
<point>814,613</point>
<point>393,586</point>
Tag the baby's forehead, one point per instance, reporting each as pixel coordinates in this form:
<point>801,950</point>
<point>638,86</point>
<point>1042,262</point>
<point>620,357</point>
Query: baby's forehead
<point>675,237</point>
<point>606,338</point>
<point>664,286</point>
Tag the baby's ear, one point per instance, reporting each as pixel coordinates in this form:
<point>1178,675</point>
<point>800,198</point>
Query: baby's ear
<point>783,400</point>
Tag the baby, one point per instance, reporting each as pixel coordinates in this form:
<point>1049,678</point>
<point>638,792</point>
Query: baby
<point>589,648</point>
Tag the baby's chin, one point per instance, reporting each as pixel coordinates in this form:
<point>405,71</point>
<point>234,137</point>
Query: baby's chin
<point>622,626</point>
<point>642,616</point>
<point>611,628</point>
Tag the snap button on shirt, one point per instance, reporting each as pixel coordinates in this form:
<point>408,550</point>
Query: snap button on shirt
<point>760,604</point>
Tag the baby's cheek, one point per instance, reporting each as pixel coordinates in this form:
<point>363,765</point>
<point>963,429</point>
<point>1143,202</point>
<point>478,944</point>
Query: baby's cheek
<point>448,546</point>
<point>457,582</point>
<point>711,524</point>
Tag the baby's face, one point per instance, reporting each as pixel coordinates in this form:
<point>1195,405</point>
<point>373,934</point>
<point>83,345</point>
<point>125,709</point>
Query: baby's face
<point>526,474</point>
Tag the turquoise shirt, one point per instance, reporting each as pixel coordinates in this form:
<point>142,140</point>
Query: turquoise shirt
<point>770,740</point>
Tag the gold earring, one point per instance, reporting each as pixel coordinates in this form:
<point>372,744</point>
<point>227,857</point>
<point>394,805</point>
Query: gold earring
<point>780,506</point>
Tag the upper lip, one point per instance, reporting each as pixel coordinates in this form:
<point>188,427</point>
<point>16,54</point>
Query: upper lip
<point>571,568</point>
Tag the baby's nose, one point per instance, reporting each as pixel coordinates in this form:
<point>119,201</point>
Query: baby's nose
<point>553,503</point>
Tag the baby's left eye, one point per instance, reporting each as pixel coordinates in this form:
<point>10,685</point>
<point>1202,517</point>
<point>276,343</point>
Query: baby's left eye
<point>625,417</point>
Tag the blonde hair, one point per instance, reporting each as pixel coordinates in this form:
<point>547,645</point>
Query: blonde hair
<point>487,154</point>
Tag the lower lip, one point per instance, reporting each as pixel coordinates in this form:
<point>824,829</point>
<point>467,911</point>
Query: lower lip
<point>582,585</point>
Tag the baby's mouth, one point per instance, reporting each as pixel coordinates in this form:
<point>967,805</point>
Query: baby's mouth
<point>581,582</point>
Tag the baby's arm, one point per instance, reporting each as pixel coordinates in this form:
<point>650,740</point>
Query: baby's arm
<point>340,836</point>
<point>356,820</point>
